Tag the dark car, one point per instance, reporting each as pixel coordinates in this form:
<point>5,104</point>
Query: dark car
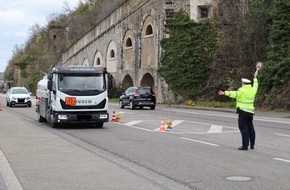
<point>138,97</point>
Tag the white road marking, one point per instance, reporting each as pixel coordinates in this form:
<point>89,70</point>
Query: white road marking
<point>8,174</point>
<point>282,135</point>
<point>215,129</point>
<point>281,159</point>
<point>131,123</point>
<point>202,142</point>
<point>177,122</point>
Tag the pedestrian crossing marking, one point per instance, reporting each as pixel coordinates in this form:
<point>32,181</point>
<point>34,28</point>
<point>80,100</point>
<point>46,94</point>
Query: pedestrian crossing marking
<point>177,122</point>
<point>215,129</point>
<point>131,123</point>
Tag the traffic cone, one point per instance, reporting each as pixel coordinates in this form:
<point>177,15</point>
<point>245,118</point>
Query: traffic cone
<point>0,106</point>
<point>162,126</point>
<point>118,117</point>
<point>114,118</point>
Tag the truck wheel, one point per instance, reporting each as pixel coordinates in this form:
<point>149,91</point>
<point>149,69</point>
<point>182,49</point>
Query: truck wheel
<point>51,122</point>
<point>99,125</point>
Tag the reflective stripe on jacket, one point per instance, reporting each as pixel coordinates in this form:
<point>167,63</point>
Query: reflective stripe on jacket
<point>245,96</point>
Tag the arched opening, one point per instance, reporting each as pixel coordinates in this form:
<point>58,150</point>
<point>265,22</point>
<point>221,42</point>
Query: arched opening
<point>149,30</point>
<point>147,80</point>
<point>98,59</point>
<point>112,54</point>
<point>111,58</point>
<point>85,62</point>
<point>127,82</point>
<point>129,42</point>
<point>98,62</point>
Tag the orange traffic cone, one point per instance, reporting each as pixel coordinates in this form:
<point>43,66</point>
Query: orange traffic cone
<point>0,106</point>
<point>114,118</point>
<point>162,126</point>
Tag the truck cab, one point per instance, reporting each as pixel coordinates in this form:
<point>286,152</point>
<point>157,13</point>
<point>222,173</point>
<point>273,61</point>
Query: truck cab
<point>75,95</point>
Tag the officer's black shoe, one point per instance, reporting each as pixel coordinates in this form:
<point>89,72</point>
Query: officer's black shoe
<point>243,148</point>
<point>252,146</point>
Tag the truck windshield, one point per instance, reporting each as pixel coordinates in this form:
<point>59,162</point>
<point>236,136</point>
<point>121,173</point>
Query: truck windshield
<point>81,84</point>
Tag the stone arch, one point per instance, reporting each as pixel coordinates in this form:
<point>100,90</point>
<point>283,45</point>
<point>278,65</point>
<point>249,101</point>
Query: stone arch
<point>127,82</point>
<point>148,46</point>
<point>147,80</point>
<point>128,50</point>
<point>86,62</point>
<point>112,57</point>
<point>98,61</point>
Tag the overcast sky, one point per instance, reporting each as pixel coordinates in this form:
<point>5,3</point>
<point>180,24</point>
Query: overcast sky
<point>17,16</point>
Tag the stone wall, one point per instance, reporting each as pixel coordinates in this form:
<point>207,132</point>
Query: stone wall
<point>127,42</point>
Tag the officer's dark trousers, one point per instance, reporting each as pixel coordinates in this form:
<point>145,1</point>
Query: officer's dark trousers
<point>246,128</point>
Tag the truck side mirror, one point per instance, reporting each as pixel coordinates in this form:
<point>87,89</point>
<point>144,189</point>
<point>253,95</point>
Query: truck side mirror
<point>49,85</point>
<point>50,76</point>
<point>110,81</point>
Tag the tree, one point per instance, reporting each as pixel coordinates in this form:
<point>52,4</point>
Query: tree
<point>186,55</point>
<point>276,75</point>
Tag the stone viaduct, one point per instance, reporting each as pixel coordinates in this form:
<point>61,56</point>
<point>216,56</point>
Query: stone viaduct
<point>127,42</point>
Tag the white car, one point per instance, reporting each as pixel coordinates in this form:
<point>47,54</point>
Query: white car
<point>18,96</point>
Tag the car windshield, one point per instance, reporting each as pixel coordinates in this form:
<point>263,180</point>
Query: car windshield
<point>19,91</point>
<point>92,84</point>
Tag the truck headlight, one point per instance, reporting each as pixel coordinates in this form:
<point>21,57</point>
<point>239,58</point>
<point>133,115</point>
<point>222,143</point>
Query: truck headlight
<point>62,117</point>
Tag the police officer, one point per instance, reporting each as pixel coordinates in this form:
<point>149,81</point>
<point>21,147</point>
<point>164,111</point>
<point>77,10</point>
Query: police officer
<point>245,97</point>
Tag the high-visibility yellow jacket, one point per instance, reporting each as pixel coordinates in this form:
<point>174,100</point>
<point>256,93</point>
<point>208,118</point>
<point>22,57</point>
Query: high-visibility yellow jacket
<point>245,96</point>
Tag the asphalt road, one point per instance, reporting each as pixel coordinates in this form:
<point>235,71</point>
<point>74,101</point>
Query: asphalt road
<point>199,153</point>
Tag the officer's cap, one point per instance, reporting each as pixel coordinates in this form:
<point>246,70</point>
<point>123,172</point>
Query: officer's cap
<point>247,81</point>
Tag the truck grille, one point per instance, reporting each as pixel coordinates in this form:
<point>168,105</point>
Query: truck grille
<point>101,105</point>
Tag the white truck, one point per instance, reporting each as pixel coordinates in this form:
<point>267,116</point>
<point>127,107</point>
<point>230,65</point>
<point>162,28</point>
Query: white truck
<point>76,94</point>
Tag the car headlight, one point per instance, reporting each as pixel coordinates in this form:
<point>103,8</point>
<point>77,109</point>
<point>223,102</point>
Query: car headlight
<point>13,98</point>
<point>28,98</point>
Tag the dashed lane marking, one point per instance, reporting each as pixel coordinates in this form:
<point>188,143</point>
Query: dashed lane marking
<point>283,135</point>
<point>281,159</point>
